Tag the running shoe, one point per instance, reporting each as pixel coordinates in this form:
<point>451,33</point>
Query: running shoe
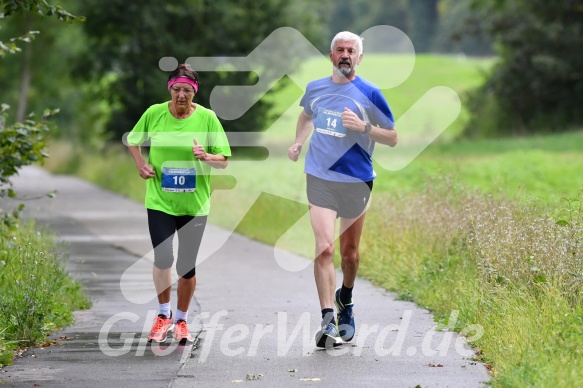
<point>160,329</point>
<point>181,332</point>
<point>345,318</point>
<point>328,337</point>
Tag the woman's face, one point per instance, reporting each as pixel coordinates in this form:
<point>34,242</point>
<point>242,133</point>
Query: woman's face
<point>182,95</point>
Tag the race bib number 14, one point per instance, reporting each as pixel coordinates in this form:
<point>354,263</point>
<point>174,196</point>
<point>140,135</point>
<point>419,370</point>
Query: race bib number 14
<point>329,122</point>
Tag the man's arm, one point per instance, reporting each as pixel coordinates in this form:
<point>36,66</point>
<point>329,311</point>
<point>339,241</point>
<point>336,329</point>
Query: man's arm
<point>303,130</point>
<point>387,136</point>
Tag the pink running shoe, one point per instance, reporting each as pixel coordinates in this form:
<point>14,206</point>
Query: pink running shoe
<point>181,332</point>
<point>160,329</point>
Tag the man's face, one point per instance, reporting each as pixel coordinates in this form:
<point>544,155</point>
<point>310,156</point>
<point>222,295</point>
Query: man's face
<point>345,56</point>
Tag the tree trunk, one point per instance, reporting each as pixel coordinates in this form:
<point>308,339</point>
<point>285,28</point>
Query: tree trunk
<point>423,23</point>
<point>25,76</point>
<point>24,84</point>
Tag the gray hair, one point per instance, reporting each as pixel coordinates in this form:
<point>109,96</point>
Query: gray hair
<point>347,35</point>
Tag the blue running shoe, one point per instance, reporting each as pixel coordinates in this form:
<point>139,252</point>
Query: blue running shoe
<point>345,318</point>
<point>328,337</point>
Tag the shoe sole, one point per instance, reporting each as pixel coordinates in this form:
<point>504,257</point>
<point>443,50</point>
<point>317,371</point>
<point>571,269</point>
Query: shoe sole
<point>343,336</point>
<point>326,341</point>
<point>185,341</point>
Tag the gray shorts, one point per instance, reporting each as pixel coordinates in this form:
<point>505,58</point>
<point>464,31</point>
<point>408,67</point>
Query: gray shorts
<point>348,200</point>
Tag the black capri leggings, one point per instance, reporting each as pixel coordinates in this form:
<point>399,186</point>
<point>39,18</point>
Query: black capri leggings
<point>190,230</point>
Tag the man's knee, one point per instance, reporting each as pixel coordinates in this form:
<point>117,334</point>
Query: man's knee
<point>325,252</point>
<point>350,255</point>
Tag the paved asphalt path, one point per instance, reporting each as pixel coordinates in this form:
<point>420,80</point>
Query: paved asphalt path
<point>254,321</point>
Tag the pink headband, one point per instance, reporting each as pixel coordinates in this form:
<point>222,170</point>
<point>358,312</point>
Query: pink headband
<point>184,79</point>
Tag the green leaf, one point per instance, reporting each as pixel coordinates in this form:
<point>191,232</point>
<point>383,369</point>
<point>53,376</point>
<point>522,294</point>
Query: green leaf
<point>539,279</point>
<point>562,222</point>
<point>11,193</point>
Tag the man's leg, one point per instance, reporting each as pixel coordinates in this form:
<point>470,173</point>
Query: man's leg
<point>350,233</point>
<point>323,221</point>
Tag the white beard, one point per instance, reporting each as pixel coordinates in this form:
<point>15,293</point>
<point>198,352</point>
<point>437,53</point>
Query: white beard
<point>345,71</point>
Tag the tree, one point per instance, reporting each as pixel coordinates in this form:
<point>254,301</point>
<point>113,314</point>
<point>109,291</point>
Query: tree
<point>461,29</point>
<point>125,41</point>
<point>537,85</point>
<point>423,22</point>
<point>22,143</point>
<point>359,15</point>
<point>36,78</point>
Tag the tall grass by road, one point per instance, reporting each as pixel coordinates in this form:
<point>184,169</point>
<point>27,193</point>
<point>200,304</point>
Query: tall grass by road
<point>37,296</point>
<point>491,229</point>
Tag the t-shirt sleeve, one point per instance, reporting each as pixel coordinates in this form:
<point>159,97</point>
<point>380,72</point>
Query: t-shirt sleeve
<point>305,101</point>
<point>218,142</point>
<point>139,133</point>
<point>383,117</point>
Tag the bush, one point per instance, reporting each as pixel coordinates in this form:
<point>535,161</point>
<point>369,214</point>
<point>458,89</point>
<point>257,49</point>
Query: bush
<point>537,84</point>
<point>21,144</point>
<point>37,296</point>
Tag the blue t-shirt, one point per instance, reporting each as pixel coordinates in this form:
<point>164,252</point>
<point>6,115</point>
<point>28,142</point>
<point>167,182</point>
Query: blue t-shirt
<point>335,152</point>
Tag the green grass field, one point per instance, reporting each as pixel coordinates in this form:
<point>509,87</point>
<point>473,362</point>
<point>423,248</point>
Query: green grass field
<point>479,227</point>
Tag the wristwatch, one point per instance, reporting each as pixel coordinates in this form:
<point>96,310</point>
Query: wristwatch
<point>367,128</point>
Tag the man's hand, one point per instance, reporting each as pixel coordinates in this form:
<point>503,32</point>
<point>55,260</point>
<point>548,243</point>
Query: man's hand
<point>351,121</point>
<point>294,152</point>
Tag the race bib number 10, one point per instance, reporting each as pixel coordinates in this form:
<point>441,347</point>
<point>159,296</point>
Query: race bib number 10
<point>178,180</point>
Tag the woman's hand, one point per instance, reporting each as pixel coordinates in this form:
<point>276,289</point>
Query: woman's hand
<point>146,171</point>
<point>198,151</point>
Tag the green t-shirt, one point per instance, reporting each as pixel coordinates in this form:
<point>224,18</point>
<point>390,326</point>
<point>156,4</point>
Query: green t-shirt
<point>182,182</point>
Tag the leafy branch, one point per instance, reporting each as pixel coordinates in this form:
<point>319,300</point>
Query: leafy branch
<point>41,7</point>
<point>11,46</point>
<point>21,144</point>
